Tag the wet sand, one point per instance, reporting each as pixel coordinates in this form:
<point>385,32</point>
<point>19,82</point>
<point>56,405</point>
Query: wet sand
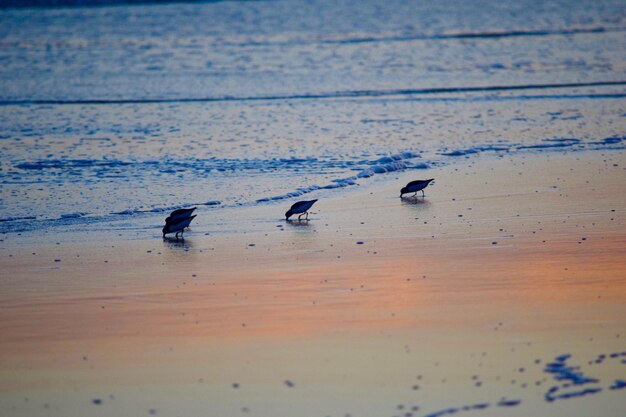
<point>375,307</point>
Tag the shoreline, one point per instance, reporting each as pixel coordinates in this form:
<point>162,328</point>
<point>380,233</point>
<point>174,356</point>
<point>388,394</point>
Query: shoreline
<point>148,218</point>
<point>396,164</point>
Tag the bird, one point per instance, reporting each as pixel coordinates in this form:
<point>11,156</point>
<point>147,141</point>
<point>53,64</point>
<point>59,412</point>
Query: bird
<point>177,226</point>
<point>415,186</point>
<point>178,215</point>
<point>301,207</point>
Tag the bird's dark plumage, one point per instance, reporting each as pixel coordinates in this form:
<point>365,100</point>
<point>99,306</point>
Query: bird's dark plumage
<point>415,186</point>
<point>178,215</point>
<point>177,227</point>
<point>301,207</point>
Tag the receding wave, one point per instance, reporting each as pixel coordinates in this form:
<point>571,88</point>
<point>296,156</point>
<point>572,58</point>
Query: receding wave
<point>614,142</point>
<point>408,160</point>
<point>397,162</point>
<point>441,36</point>
<point>17,218</point>
<point>329,95</point>
<point>106,167</point>
<point>69,163</point>
<point>402,161</point>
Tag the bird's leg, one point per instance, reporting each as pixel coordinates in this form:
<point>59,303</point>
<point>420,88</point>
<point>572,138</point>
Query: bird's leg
<point>176,235</point>
<point>300,216</point>
<point>307,215</point>
<point>423,195</point>
<point>415,195</point>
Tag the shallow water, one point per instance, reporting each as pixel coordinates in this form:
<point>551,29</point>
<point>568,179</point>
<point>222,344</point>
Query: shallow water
<point>123,159</point>
<point>96,120</point>
<point>258,49</point>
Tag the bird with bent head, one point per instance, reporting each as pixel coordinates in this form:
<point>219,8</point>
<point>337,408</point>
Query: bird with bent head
<point>415,186</point>
<point>177,221</point>
<point>301,207</point>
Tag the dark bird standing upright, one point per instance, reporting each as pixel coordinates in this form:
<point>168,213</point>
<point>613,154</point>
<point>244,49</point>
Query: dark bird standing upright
<point>415,186</point>
<point>301,207</point>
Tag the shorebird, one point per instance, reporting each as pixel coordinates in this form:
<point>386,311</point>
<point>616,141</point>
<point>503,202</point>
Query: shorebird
<point>415,186</point>
<point>178,226</point>
<point>301,207</point>
<point>178,215</point>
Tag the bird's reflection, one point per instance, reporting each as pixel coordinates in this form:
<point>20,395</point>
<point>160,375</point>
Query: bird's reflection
<point>177,244</point>
<point>299,223</point>
<point>415,201</point>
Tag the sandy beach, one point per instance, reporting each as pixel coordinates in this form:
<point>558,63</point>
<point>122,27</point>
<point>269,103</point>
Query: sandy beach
<point>376,306</point>
<point>499,293</point>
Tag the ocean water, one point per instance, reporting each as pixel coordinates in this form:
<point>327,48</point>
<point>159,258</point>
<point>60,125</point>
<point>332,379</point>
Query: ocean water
<point>134,110</point>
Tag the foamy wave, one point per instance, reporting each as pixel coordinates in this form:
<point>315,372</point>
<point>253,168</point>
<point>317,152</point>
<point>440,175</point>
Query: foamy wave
<point>73,215</point>
<point>363,169</point>
<point>386,164</point>
<point>15,219</point>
